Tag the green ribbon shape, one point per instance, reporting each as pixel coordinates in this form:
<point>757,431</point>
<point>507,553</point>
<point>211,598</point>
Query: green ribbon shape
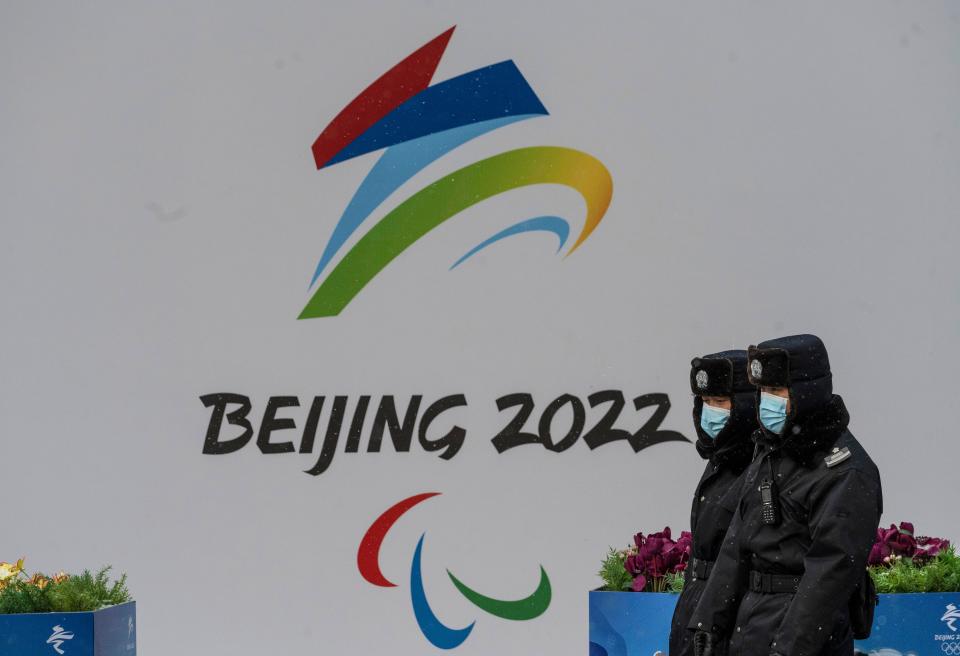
<point>521,609</point>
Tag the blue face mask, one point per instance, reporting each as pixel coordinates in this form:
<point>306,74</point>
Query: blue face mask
<point>773,412</point>
<point>713,419</point>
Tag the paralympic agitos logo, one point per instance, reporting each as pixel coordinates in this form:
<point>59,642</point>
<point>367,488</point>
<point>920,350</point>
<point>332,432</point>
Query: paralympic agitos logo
<point>417,124</point>
<point>433,629</point>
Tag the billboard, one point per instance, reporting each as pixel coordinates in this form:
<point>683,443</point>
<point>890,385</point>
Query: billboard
<point>352,326</point>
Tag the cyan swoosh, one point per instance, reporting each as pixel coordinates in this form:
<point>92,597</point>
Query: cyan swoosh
<point>554,224</point>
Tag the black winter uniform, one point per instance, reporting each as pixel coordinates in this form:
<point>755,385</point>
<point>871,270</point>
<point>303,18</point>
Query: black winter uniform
<point>784,588</point>
<point>715,499</point>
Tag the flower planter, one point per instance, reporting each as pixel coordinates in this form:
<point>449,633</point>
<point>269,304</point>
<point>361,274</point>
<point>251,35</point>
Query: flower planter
<point>110,631</point>
<point>638,624</point>
<point>634,623</point>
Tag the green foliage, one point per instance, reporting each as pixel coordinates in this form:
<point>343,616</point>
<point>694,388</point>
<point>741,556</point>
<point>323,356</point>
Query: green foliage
<point>87,591</point>
<point>20,596</point>
<point>674,582</point>
<point>942,574</point>
<point>666,583</point>
<point>81,592</point>
<point>615,576</point>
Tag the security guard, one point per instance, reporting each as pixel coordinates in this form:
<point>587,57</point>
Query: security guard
<point>724,416</point>
<point>795,555</point>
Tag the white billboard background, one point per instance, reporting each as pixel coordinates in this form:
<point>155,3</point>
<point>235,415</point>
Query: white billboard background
<point>777,169</point>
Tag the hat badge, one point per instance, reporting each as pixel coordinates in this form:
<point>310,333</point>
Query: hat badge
<point>756,369</point>
<point>702,379</point>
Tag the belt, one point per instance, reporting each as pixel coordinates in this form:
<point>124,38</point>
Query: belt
<point>774,583</point>
<point>699,569</point>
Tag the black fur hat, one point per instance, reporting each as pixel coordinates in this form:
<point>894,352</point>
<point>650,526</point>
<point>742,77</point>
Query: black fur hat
<point>725,374</point>
<point>798,362</point>
<point>720,374</point>
<point>817,415</point>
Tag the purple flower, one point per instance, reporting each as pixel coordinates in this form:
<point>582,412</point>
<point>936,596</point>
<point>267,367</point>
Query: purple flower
<point>657,554</point>
<point>886,534</point>
<point>892,543</point>
<point>895,541</point>
<point>903,543</point>
<point>682,550</point>
<point>639,583</point>
<point>878,552</point>
<point>928,548</point>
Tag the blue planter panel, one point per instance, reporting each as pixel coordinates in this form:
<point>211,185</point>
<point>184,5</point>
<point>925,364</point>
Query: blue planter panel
<point>638,624</point>
<point>628,623</point>
<point>108,632</point>
<point>917,624</point>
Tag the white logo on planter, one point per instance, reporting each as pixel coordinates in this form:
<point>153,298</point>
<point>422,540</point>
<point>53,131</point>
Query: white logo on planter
<point>58,638</point>
<point>951,616</point>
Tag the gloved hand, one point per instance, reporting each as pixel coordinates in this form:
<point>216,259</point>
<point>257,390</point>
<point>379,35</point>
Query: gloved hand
<point>704,643</point>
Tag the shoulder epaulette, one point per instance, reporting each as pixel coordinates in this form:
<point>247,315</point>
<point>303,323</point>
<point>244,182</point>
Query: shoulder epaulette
<point>837,456</point>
